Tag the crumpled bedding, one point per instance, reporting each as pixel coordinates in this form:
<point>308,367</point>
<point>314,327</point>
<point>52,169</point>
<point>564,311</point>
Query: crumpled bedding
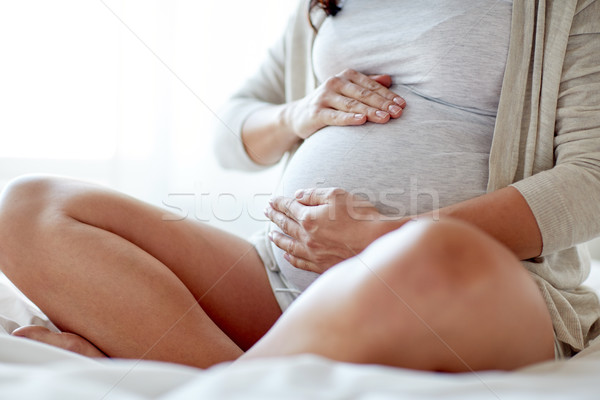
<point>30,370</point>
<point>16,310</point>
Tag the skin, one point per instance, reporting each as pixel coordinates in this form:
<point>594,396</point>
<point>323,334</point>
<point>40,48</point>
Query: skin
<point>118,278</point>
<point>315,242</point>
<point>114,271</point>
<point>433,296</point>
<point>346,99</point>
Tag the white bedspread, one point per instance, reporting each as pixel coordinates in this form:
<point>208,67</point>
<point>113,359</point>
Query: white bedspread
<point>31,370</point>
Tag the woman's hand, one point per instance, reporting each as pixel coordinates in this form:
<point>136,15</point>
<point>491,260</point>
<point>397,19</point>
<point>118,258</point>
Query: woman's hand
<point>322,227</point>
<point>348,98</point>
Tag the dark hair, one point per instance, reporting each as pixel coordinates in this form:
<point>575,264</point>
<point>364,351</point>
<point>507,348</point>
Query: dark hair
<point>330,7</point>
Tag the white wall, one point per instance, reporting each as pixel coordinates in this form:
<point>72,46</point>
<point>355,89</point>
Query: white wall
<point>124,93</point>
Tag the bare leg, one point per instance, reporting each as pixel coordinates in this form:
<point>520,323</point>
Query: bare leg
<point>441,296</point>
<point>110,269</point>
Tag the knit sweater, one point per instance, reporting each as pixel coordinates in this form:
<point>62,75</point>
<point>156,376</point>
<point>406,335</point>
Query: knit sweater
<point>546,140</point>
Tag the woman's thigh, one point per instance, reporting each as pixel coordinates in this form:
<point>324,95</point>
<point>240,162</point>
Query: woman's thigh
<point>222,271</point>
<point>441,296</point>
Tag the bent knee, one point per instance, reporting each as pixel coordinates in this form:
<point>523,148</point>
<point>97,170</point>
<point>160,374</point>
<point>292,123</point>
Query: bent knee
<point>451,252</point>
<point>24,204</point>
<point>26,197</point>
<point>437,278</point>
<point>28,187</point>
<point>440,262</point>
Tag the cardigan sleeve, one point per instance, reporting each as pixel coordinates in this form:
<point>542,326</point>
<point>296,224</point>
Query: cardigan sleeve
<point>565,200</point>
<point>265,87</point>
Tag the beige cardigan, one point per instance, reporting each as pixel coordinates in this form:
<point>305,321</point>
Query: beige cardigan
<point>546,139</point>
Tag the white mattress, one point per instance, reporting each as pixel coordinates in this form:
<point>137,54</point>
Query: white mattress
<point>31,370</point>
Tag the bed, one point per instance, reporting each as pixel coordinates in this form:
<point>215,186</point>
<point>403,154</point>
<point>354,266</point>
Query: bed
<point>31,370</point>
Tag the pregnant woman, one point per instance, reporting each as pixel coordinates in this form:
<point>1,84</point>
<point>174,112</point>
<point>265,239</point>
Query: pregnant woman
<point>443,158</point>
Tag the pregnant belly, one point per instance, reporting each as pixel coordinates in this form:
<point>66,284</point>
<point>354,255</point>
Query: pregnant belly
<point>405,167</point>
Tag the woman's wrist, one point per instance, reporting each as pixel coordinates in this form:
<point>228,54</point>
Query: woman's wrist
<point>286,127</point>
<point>385,225</point>
<point>379,225</point>
<point>266,134</point>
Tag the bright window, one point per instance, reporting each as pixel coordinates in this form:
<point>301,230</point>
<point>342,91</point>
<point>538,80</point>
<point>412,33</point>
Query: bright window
<point>83,79</point>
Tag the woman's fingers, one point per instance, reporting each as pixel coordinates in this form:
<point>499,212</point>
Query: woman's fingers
<point>373,85</point>
<point>286,224</point>
<point>288,206</point>
<point>372,98</point>
<point>295,253</point>
<point>318,196</point>
<point>385,80</point>
<point>301,263</point>
<point>289,245</point>
<point>353,92</point>
<point>330,116</point>
<point>347,104</point>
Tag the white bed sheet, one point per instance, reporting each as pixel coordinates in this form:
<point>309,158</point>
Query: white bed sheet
<point>31,370</point>
<point>48,373</point>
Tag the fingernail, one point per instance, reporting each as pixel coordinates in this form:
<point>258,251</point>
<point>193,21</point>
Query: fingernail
<point>266,211</point>
<point>381,114</point>
<point>286,256</point>
<point>400,101</point>
<point>270,234</point>
<point>358,116</point>
<point>299,193</point>
<point>394,109</point>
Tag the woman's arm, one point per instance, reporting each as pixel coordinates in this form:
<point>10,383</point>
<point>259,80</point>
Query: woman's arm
<point>504,215</point>
<point>326,226</point>
<point>266,135</point>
